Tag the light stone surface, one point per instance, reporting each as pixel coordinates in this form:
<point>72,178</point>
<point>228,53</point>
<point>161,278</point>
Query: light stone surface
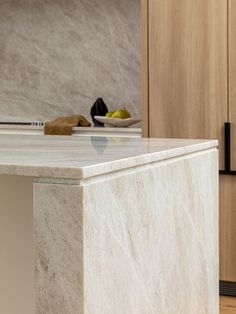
<point>81,131</point>
<point>151,242</point>
<point>58,234</point>
<point>83,157</point>
<point>149,239</point>
<point>57,57</point>
<point>121,226</point>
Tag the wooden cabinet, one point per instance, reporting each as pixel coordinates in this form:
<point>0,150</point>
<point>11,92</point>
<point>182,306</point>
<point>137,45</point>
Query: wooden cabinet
<point>232,77</point>
<point>189,87</point>
<point>228,228</point>
<point>228,182</point>
<point>187,68</point>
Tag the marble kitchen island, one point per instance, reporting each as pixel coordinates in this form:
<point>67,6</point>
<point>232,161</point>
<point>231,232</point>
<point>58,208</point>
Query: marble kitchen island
<point>95,225</point>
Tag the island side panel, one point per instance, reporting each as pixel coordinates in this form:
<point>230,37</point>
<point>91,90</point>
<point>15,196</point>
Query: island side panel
<point>58,234</point>
<point>151,243</point>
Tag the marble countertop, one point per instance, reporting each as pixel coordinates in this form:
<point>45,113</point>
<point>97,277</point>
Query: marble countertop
<point>106,131</point>
<point>83,157</point>
<point>87,129</point>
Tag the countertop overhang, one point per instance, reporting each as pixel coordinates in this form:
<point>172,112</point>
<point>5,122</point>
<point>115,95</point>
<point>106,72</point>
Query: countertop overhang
<point>84,157</point>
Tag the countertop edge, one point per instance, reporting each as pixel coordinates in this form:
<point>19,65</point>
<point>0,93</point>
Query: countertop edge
<point>81,173</point>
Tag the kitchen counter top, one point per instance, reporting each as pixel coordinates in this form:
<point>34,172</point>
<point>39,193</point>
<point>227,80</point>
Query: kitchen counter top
<point>77,131</point>
<point>106,225</point>
<point>83,157</point>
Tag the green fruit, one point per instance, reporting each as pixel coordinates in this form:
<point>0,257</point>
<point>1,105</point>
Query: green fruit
<point>121,114</point>
<point>110,113</point>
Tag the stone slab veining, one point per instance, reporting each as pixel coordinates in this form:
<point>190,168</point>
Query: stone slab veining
<point>57,57</point>
<point>121,226</point>
<point>63,157</point>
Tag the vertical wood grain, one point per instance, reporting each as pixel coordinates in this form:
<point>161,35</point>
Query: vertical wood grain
<point>228,183</point>
<point>227,305</point>
<point>232,77</point>
<point>188,68</point>
<point>228,228</point>
<point>144,68</point>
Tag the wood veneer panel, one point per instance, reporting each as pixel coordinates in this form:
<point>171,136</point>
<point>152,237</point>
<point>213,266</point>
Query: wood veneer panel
<point>232,78</point>
<point>227,305</point>
<point>144,67</point>
<point>228,228</point>
<point>187,68</point>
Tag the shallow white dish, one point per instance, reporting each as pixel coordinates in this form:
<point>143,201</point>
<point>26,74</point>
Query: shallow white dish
<point>117,122</point>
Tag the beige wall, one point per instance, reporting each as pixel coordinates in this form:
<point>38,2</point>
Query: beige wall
<point>57,57</point>
<point>16,245</point>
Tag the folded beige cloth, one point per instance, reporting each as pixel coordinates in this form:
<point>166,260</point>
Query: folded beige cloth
<point>64,125</point>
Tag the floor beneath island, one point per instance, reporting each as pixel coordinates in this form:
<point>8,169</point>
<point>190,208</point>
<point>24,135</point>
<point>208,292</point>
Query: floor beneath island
<point>227,305</point>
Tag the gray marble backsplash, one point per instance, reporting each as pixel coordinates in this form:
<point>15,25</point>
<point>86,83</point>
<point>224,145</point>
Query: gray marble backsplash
<point>57,57</point>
